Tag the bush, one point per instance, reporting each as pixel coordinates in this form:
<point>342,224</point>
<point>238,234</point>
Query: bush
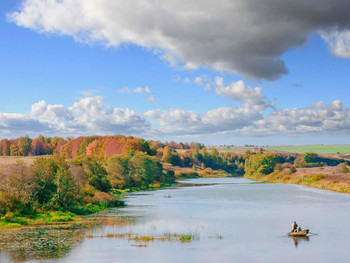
<point>292,169</point>
<point>261,164</point>
<point>344,168</point>
<point>308,159</point>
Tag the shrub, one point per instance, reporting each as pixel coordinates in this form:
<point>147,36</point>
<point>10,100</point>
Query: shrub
<point>344,168</point>
<point>261,164</point>
<point>292,169</point>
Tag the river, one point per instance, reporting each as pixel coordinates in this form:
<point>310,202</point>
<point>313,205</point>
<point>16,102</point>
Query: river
<point>225,220</point>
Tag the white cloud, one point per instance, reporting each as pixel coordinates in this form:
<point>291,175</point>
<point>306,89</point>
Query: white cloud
<point>93,116</point>
<point>152,98</point>
<point>86,116</point>
<point>187,80</point>
<point>332,118</point>
<point>339,42</point>
<point>238,91</point>
<point>318,118</point>
<point>241,36</point>
<point>178,121</point>
<point>139,90</point>
<point>203,80</point>
<point>89,93</point>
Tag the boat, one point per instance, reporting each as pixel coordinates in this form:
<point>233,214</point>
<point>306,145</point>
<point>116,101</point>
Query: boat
<point>301,233</point>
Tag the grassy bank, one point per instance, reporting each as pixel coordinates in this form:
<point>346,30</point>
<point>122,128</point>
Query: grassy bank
<point>53,217</point>
<point>327,178</point>
<point>13,220</point>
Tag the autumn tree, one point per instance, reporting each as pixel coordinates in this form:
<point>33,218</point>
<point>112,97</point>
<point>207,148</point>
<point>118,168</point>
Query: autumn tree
<point>5,143</point>
<point>24,145</point>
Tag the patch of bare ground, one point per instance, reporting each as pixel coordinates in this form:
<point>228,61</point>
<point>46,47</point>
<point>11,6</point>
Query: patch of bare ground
<point>4,160</point>
<point>187,172</point>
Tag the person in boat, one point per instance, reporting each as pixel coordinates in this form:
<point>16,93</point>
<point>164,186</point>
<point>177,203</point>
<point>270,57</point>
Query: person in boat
<point>294,227</point>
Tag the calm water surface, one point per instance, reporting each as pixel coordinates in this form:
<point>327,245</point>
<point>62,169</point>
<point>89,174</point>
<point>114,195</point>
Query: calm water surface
<point>231,220</point>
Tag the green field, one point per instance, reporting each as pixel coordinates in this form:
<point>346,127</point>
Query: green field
<point>235,149</point>
<point>325,149</point>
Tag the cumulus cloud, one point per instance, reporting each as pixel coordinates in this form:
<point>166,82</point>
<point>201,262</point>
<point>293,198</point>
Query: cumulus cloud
<point>241,36</point>
<point>152,98</point>
<point>318,118</point>
<point>86,116</point>
<point>93,116</point>
<point>339,43</point>
<point>251,97</point>
<point>179,121</point>
<point>237,91</point>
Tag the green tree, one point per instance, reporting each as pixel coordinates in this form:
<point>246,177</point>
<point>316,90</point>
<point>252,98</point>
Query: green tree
<point>117,171</point>
<point>98,176</point>
<point>24,145</point>
<point>166,155</point>
<point>261,164</point>
<point>308,159</point>
<point>54,186</point>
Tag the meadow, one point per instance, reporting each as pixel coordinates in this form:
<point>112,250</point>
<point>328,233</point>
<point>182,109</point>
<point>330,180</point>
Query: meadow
<point>236,149</point>
<point>323,149</point>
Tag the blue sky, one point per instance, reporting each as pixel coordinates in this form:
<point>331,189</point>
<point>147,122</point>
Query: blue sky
<point>178,70</point>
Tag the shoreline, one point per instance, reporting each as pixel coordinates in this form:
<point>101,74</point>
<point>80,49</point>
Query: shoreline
<point>334,183</point>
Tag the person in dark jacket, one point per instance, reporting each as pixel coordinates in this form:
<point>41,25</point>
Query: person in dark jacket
<point>294,227</point>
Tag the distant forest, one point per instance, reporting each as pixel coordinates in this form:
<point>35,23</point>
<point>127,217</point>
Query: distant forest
<point>104,147</point>
<point>70,147</point>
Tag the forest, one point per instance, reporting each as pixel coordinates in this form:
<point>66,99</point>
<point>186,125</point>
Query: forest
<point>87,174</point>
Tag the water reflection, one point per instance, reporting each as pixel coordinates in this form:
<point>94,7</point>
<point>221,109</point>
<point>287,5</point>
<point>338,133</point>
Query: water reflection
<point>40,242</point>
<point>55,241</point>
<point>298,240</point>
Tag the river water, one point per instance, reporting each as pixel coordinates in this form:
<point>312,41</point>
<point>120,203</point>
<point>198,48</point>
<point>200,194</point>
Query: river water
<point>228,220</point>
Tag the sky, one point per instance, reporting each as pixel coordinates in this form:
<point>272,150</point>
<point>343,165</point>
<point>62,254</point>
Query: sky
<point>262,72</point>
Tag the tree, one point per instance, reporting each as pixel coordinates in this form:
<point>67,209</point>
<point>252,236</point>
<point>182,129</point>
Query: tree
<point>24,145</point>
<point>54,186</point>
<point>261,164</point>
<point>308,159</point>
<point>16,189</point>
<point>13,149</point>
<point>166,155</point>
<point>45,187</point>
<point>117,170</point>
<point>98,177</point>
<point>37,147</point>
<point>5,143</point>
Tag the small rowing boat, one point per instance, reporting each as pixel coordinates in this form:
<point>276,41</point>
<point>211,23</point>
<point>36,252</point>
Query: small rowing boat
<point>301,233</point>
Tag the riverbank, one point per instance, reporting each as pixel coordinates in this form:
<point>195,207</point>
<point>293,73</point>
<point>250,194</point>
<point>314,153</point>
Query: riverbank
<point>42,218</point>
<point>327,178</point>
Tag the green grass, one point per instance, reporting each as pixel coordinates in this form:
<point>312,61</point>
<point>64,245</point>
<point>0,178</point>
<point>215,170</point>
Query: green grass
<point>234,149</point>
<point>15,220</point>
<point>325,149</point>
<point>186,238</point>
